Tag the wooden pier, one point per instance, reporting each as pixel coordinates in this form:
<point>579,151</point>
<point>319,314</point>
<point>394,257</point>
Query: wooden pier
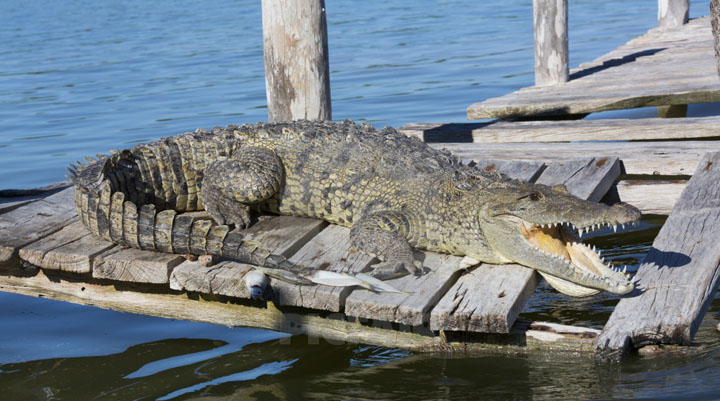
<point>46,251</point>
<point>63,261</point>
<point>668,67</point>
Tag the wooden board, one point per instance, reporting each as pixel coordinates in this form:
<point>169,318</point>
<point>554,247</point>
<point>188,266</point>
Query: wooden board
<point>412,308</point>
<point>223,278</point>
<point>499,131</point>
<point>651,196</point>
<point>490,297</point>
<point>135,265</point>
<point>525,171</point>
<point>26,224</point>
<point>329,250</point>
<point>642,158</point>
<point>679,276</point>
<point>587,178</point>
<point>663,67</point>
<point>336,327</point>
<point>13,198</point>
<point>486,299</point>
<point>71,249</point>
<point>282,235</point>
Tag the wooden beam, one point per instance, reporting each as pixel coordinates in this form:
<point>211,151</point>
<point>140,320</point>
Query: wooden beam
<point>411,308</point>
<point>715,25</point>
<point>334,327</point>
<point>499,131</point>
<point>673,13</point>
<point>639,158</point>
<point>329,250</point>
<point>297,72</point>
<point>679,276</point>
<point>651,197</point>
<point>71,249</point>
<point>28,223</point>
<point>550,20</point>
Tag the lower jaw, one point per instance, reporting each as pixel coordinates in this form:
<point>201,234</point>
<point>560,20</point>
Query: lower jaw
<point>567,287</point>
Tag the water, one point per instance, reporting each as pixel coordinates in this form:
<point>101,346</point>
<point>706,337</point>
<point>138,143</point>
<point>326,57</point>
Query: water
<point>80,77</point>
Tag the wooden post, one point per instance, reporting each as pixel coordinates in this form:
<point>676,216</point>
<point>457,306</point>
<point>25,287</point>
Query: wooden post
<point>550,18</point>
<point>715,22</point>
<point>673,13</point>
<point>297,72</point>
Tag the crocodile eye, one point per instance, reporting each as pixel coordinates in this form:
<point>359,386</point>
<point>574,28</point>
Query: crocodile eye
<point>534,196</point>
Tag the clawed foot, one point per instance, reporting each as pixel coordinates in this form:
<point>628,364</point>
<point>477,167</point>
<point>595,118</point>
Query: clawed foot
<point>395,268</point>
<point>231,212</point>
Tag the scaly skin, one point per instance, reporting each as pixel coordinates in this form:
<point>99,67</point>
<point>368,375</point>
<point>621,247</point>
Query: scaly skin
<point>395,192</point>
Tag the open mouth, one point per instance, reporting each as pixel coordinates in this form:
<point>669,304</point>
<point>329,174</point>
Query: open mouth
<point>560,241</point>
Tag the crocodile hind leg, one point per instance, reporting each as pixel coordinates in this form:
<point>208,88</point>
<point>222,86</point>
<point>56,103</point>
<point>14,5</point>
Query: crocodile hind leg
<point>251,175</point>
<point>384,235</point>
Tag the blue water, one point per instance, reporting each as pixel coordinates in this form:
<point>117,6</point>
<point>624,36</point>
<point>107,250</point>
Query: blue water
<point>79,77</point>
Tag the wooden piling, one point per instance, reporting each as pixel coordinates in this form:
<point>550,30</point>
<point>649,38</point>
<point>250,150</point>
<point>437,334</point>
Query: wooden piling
<point>672,13</point>
<point>550,19</point>
<point>297,72</point>
<point>715,23</point>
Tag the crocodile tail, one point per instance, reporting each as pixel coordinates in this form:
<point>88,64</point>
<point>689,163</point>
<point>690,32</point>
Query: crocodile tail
<point>108,215</point>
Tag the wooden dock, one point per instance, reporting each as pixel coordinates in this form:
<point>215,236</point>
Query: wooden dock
<point>46,251</point>
<point>666,66</point>
<point>445,308</point>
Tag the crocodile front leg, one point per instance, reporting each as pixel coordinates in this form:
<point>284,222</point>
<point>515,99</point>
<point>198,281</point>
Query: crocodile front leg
<point>384,235</point>
<point>251,175</point>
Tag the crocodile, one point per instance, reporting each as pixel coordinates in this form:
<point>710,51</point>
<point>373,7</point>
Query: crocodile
<point>395,192</point>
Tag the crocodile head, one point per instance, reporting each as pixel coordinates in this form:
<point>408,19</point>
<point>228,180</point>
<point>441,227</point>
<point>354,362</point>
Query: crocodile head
<point>540,227</point>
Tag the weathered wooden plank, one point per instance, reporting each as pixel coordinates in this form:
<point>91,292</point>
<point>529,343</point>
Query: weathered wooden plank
<point>525,171</point>
<point>585,178</point>
<point>13,198</point>
<point>282,235</point>
<point>565,131</point>
<point>489,298</point>
<point>28,223</point>
<point>224,278</point>
<point>486,299</point>
<point>651,197</point>
<point>70,249</point>
<point>411,308</point>
<point>135,265</point>
<point>335,327</point>
<point>651,158</point>
<point>679,276</point>
<point>329,250</point>
<point>625,80</point>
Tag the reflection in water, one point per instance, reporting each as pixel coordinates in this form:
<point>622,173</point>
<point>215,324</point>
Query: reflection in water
<point>305,368</point>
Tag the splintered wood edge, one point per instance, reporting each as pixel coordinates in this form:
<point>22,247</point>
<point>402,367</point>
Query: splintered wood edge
<point>334,327</point>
